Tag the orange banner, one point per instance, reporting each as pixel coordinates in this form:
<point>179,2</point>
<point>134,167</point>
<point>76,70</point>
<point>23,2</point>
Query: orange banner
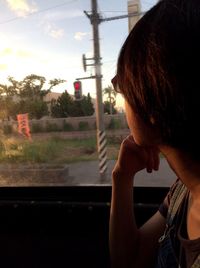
<point>23,125</point>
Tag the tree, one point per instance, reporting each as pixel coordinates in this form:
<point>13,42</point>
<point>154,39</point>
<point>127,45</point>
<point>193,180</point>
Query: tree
<point>86,105</point>
<point>31,87</point>
<point>7,94</point>
<point>107,108</point>
<point>26,96</point>
<point>65,106</point>
<point>35,108</point>
<point>111,97</point>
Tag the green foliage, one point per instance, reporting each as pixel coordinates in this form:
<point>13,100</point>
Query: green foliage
<point>83,125</point>
<point>26,96</point>
<point>55,82</point>
<point>65,106</point>
<point>31,87</point>
<point>2,148</point>
<point>6,100</point>
<point>110,103</point>
<point>7,129</point>
<point>62,106</point>
<point>47,151</point>
<point>109,108</point>
<point>37,109</point>
<point>114,124</point>
<point>51,127</point>
<point>38,152</point>
<point>87,105</point>
<point>67,126</point>
<point>54,151</point>
<point>36,128</point>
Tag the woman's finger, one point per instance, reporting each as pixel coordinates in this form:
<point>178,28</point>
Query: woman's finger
<point>156,160</point>
<point>150,161</point>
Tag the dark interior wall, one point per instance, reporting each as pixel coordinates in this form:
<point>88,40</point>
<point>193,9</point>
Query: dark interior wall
<point>62,227</point>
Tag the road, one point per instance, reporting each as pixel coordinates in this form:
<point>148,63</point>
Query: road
<point>88,173</point>
<point>81,173</point>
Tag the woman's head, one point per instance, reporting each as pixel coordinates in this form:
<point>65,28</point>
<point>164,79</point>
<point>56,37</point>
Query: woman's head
<point>158,72</point>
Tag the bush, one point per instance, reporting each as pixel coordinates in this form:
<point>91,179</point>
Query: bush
<point>114,124</point>
<point>83,125</point>
<point>67,126</point>
<point>36,128</point>
<point>7,129</point>
<point>51,127</point>
<point>2,148</point>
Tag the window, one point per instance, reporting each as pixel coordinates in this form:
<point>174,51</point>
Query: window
<point>48,126</point>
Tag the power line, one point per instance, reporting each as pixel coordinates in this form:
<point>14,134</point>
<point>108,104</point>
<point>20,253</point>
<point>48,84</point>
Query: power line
<point>114,11</point>
<point>38,12</point>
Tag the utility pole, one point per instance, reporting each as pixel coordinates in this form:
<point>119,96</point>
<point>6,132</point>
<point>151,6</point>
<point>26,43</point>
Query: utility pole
<point>95,20</point>
<point>101,136</point>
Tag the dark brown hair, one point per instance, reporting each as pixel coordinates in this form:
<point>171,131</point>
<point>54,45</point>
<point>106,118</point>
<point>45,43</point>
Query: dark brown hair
<point>158,71</point>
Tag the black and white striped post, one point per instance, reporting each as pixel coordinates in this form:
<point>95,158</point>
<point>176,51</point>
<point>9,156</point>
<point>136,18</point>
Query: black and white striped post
<point>102,150</point>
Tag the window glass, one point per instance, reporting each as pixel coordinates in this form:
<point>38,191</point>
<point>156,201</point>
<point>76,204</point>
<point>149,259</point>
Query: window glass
<point>50,108</point>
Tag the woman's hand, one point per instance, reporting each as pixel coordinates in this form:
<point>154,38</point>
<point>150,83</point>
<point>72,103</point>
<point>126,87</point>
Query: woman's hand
<point>133,158</point>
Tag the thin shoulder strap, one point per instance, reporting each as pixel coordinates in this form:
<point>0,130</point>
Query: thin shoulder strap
<point>196,263</point>
<point>176,199</point>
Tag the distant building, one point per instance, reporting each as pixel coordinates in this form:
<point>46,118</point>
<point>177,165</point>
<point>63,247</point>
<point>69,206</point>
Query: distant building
<point>134,6</point>
<point>52,95</point>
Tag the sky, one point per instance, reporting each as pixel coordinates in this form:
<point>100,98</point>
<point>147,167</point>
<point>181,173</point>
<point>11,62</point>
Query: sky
<point>48,38</point>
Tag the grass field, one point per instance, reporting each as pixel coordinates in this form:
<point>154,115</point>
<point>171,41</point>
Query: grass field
<point>53,150</point>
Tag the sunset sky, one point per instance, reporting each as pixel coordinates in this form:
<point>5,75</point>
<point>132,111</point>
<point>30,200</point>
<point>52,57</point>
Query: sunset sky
<point>48,38</point>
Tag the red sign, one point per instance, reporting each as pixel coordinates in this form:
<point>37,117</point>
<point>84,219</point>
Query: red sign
<point>23,125</point>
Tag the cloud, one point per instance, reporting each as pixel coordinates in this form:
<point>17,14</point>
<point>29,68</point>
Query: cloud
<point>6,51</point>
<point>22,7</point>
<point>24,53</point>
<point>10,52</point>
<point>58,33</point>
<point>53,31</point>
<point>79,35</point>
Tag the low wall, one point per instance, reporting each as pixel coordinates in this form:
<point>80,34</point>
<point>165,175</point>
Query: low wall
<point>117,121</point>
